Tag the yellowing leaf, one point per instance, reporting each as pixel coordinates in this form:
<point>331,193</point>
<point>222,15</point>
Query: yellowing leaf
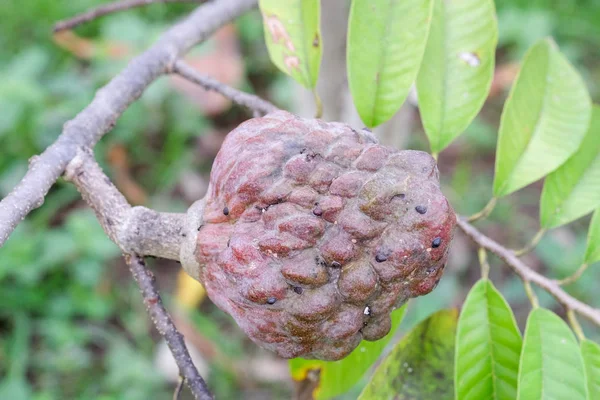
<point>293,37</point>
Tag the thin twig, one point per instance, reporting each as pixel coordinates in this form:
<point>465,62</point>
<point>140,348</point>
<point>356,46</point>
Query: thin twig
<point>487,210</point>
<point>535,303</point>
<point>109,103</point>
<point>531,245</point>
<point>248,100</point>
<point>575,325</point>
<point>527,274</point>
<point>573,278</point>
<point>161,319</point>
<point>108,9</point>
<point>483,262</point>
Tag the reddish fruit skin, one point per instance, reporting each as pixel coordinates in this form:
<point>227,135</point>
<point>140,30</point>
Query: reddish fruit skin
<point>313,233</point>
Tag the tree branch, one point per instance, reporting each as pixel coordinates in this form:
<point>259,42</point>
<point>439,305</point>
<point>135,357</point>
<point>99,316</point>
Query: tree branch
<point>108,9</point>
<point>138,230</point>
<point>250,101</point>
<point>145,280</point>
<point>529,275</point>
<point>109,103</point>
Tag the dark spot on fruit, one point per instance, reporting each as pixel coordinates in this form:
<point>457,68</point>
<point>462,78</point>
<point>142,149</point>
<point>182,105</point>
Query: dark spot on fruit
<point>316,41</point>
<point>436,242</point>
<point>317,211</point>
<point>271,300</point>
<point>336,264</point>
<point>398,196</point>
<point>298,289</point>
<point>200,227</point>
<point>421,209</point>
<point>380,257</point>
<point>184,234</point>
<point>226,210</point>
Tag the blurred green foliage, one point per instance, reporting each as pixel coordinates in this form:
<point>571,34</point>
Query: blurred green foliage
<point>71,321</point>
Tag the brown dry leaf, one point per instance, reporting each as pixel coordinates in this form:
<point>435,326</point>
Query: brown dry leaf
<point>224,63</point>
<point>86,49</point>
<point>504,76</point>
<point>119,161</point>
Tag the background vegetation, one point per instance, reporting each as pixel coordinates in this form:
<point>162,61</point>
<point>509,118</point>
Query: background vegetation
<point>71,321</point>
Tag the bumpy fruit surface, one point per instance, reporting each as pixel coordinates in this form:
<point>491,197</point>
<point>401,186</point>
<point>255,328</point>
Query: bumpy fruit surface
<point>313,233</point>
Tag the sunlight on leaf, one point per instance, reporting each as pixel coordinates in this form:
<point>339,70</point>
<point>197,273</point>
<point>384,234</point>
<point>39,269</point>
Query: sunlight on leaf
<point>386,42</point>
<point>544,120</point>
<point>457,68</point>
<point>293,37</point>
<point>421,365</point>
<point>573,190</point>
<point>488,345</point>
<point>337,377</point>
<point>551,366</point>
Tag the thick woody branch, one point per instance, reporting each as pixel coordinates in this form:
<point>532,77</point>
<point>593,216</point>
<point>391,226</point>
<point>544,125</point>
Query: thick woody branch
<point>248,100</point>
<point>159,315</point>
<point>136,230</point>
<point>108,9</point>
<point>529,275</point>
<point>109,103</point>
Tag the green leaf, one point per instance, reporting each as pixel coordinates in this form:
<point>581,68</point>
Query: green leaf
<point>573,190</point>
<point>488,345</point>
<point>293,37</point>
<point>551,365</point>
<point>592,252</point>
<point>337,377</point>
<point>457,68</point>
<point>386,42</point>
<point>544,120</point>
<point>591,359</point>
<point>421,365</point>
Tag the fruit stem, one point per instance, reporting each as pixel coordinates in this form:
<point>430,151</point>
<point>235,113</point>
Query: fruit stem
<point>489,207</point>
<point>531,245</point>
<point>318,103</point>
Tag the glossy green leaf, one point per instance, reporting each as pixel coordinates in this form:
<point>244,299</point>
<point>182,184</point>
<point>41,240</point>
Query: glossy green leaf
<point>551,365</point>
<point>421,365</point>
<point>457,68</point>
<point>544,120</point>
<point>488,346</point>
<point>573,190</point>
<point>386,42</point>
<point>592,252</point>
<point>293,37</point>
<point>591,360</point>
<point>337,377</point>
